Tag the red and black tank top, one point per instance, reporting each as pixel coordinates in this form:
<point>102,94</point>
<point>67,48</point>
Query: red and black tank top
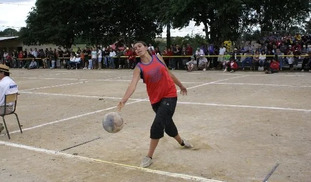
<point>159,82</point>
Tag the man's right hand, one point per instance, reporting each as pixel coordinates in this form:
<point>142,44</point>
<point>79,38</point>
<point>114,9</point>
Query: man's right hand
<point>120,106</point>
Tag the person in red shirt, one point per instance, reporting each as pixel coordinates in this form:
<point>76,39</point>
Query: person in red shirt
<point>161,89</point>
<point>189,50</point>
<point>131,57</point>
<point>274,67</point>
<point>231,66</point>
<point>167,52</point>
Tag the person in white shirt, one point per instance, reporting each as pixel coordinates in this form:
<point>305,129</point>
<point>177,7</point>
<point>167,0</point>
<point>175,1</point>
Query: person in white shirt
<point>201,59</point>
<point>93,60</point>
<point>7,86</point>
<point>112,54</point>
<point>99,58</point>
<point>222,51</point>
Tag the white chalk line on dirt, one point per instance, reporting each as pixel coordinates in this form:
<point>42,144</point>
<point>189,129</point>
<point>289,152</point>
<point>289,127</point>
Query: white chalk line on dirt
<point>54,86</point>
<point>259,84</point>
<point>90,113</point>
<point>70,156</point>
<point>140,100</point>
<point>246,106</point>
<point>209,83</point>
<point>79,96</point>
<point>73,117</point>
<point>179,102</point>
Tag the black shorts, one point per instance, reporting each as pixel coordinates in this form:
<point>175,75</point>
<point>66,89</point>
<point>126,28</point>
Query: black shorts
<point>163,120</point>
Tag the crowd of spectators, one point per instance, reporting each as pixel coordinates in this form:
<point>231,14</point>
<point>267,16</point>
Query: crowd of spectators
<point>290,52</point>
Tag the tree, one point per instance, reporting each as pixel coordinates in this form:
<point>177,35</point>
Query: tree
<point>275,15</point>
<point>9,32</point>
<point>220,18</point>
<point>95,21</point>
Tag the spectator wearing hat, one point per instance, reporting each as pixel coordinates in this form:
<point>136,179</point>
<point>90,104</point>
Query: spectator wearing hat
<point>7,86</point>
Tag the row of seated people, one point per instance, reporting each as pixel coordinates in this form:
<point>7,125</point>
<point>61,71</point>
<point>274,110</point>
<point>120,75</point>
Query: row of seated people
<point>198,61</point>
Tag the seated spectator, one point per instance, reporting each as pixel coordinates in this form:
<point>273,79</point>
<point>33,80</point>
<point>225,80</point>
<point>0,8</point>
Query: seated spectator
<point>33,64</point>
<point>191,64</point>
<point>306,63</point>
<point>226,60</point>
<point>274,67</point>
<point>7,86</point>
<point>231,66</point>
<point>248,60</point>
<point>74,61</point>
<point>201,59</point>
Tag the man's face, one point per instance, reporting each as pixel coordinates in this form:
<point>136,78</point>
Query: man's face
<point>1,75</point>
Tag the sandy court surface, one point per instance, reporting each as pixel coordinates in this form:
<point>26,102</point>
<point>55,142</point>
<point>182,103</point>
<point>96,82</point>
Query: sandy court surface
<point>242,126</point>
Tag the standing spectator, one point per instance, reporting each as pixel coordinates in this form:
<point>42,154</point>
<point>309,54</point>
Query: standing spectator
<point>106,57</point>
<point>189,51</point>
<point>280,56</point>
<point>176,60</point>
<point>306,63</point>
<point>82,58</point>
<point>166,55</point>
<point>94,58</point>
<point>130,53</point>
<point>15,56</point>
<point>111,58</point>
<point>100,58</point>
<point>290,60</point>
<point>221,54</point>
<point>185,58</point>
<point>262,60</point>
<point>212,51</point>
<point>5,56</point>
<point>256,60</point>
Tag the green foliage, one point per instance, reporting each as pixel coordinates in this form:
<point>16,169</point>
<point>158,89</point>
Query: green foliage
<point>9,32</point>
<point>276,15</point>
<point>67,22</point>
<point>94,21</point>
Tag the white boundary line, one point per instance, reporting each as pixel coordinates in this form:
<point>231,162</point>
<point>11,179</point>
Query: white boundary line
<point>246,106</point>
<point>70,95</point>
<point>176,175</point>
<point>61,85</point>
<point>70,156</point>
<point>73,117</point>
<point>209,83</point>
<point>270,85</point>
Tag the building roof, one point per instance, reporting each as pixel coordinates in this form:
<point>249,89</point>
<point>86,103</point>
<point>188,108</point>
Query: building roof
<point>8,38</point>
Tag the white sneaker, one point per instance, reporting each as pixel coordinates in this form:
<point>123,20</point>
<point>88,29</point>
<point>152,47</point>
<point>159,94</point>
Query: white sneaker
<point>204,69</point>
<point>187,144</point>
<point>146,162</point>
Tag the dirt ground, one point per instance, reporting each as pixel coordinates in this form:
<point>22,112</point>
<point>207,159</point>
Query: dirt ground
<point>242,125</point>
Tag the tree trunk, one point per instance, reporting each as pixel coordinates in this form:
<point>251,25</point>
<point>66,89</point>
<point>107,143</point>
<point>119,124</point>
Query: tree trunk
<point>207,38</point>
<point>168,35</point>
